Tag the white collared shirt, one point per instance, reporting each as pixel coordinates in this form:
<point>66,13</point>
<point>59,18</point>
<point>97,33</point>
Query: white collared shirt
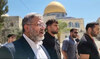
<point>37,49</point>
<point>4,44</point>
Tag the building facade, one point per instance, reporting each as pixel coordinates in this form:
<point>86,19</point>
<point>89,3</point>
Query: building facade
<point>12,25</point>
<point>98,20</point>
<point>55,10</point>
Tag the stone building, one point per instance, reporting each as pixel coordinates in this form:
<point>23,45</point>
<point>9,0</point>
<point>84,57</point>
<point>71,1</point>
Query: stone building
<point>55,10</point>
<point>12,24</point>
<point>98,20</point>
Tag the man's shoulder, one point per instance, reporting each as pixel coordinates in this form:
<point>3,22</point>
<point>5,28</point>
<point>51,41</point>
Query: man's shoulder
<point>4,44</point>
<point>46,37</point>
<point>3,48</point>
<point>66,39</point>
<point>20,40</point>
<point>5,53</point>
<point>14,45</point>
<point>83,39</point>
<point>83,42</point>
<point>7,49</point>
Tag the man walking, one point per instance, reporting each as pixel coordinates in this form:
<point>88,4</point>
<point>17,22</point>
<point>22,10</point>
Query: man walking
<point>87,48</point>
<point>29,46</point>
<point>69,47</point>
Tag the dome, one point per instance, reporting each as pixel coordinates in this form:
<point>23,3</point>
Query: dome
<point>54,7</point>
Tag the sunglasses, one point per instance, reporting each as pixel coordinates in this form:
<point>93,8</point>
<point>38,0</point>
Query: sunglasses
<point>76,32</point>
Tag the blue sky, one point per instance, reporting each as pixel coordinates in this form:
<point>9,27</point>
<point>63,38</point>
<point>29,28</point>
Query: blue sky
<point>89,10</point>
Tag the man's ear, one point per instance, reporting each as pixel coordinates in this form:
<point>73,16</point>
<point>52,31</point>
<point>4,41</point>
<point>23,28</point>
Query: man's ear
<point>26,27</point>
<point>48,27</point>
<point>89,29</point>
<point>71,33</point>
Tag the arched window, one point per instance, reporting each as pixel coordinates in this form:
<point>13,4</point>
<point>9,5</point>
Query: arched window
<point>77,25</point>
<point>70,24</point>
<point>63,15</point>
<point>58,15</point>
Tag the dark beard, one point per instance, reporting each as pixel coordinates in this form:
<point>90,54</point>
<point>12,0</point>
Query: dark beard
<point>74,36</point>
<point>93,34</point>
<point>54,32</point>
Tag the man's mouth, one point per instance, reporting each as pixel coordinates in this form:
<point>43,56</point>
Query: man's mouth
<point>41,32</point>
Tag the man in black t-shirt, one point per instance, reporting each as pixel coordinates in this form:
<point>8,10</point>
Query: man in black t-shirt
<point>87,48</point>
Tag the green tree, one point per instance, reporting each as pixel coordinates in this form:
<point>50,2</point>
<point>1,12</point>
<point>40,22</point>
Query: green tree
<point>3,10</point>
<point>62,25</point>
<point>62,28</point>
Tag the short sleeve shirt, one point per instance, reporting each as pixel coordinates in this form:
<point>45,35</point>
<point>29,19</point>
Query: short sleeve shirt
<point>88,46</point>
<point>70,47</point>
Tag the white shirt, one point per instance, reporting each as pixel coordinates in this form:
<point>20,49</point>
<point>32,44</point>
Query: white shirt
<point>4,44</point>
<point>37,49</point>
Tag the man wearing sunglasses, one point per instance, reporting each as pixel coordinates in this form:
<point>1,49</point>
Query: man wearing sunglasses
<point>69,47</point>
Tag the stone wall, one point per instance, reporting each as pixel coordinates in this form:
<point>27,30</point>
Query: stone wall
<point>12,25</point>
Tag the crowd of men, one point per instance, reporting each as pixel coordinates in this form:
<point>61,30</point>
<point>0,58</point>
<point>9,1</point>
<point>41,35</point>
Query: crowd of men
<point>39,42</point>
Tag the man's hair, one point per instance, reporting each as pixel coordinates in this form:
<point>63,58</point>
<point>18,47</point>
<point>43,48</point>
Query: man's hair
<point>10,35</point>
<point>91,25</point>
<point>27,19</point>
<point>50,22</point>
<point>71,30</point>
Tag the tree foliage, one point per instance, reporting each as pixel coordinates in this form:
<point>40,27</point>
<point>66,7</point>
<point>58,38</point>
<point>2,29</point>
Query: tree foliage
<point>19,34</point>
<point>3,10</point>
<point>62,26</point>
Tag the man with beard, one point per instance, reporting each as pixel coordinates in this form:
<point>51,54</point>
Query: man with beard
<point>87,48</point>
<point>50,42</point>
<point>69,47</point>
<point>29,46</point>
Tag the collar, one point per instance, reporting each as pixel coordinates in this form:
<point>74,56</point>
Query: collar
<point>32,43</point>
<point>89,38</point>
<point>73,40</point>
<point>48,35</point>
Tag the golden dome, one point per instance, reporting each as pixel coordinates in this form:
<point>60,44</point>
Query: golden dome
<point>54,7</point>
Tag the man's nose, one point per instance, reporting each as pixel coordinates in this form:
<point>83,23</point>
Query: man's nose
<point>57,27</point>
<point>43,26</point>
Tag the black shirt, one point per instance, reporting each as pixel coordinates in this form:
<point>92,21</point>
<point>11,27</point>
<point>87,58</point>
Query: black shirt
<point>88,46</point>
<point>52,46</point>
